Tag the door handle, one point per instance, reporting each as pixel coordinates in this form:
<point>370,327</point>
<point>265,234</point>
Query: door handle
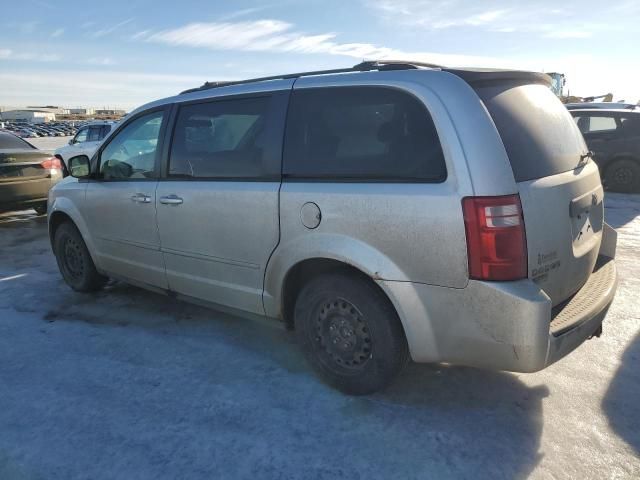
<point>171,200</point>
<point>141,198</point>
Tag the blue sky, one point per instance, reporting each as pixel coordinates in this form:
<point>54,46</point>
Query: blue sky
<point>125,53</point>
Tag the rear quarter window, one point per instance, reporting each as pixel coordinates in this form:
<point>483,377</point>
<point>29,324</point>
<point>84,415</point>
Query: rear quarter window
<point>360,134</point>
<point>538,132</point>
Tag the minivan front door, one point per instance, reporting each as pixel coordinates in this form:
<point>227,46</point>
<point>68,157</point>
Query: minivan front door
<point>218,205</point>
<point>120,206</point>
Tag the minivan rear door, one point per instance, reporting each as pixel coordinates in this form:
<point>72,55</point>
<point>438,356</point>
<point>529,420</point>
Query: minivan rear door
<point>559,185</point>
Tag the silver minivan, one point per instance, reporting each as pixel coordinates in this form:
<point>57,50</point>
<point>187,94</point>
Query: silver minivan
<point>385,212</point>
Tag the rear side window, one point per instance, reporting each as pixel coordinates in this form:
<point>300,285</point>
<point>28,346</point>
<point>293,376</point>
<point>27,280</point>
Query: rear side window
<point>538,133</point>
<point>361,133</point>
<point>598,123</point>
<point>95,134</point>
<point>8,140</point>
<point>229,138</point>
<point>105,131</point>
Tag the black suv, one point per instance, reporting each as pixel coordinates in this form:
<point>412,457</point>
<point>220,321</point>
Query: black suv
<point>614,138</point>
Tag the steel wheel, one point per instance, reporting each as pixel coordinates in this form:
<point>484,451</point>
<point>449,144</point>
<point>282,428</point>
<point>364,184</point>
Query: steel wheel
<point>350,332</point>
<point>73,260</point>
<point>342,334</point>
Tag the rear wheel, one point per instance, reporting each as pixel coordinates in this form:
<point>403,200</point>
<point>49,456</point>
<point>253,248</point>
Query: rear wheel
<point>623,176</point>
<point>75,263</point>
<point>350,333</point>
<point>41,208</point>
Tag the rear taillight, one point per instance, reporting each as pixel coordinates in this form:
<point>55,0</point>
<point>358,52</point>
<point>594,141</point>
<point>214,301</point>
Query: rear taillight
<point>52,163</point>
<point>496,242</point>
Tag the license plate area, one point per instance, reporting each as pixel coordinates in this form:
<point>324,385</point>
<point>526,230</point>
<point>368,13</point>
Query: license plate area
<point>586,213</point>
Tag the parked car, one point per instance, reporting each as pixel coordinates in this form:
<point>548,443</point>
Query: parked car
<point>86,141</point>
<point>384,211</point>
<point>602,105</point>
<point>26,174</point>
<point>614,138</point>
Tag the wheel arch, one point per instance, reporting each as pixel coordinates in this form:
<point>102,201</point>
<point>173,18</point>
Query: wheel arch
<point>56,219</point>
<point>302,272</point>
<point>323,251</point>
<point>63,210</point>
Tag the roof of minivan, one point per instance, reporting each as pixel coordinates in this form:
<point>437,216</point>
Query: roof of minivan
<point>473,76</point>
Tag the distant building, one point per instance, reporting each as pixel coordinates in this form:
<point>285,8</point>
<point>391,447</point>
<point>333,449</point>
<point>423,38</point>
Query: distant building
<point>28,115</point>
<point>82,111</point>
<point>50,108</point>
<point>110,112</point>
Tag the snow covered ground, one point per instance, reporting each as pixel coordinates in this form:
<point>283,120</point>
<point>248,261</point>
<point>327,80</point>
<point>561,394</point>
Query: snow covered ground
<point>129,384</point>
<point>49,143</point>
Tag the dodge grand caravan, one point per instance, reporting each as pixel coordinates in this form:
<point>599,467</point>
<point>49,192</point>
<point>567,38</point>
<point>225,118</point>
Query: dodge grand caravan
<point>385,212</point>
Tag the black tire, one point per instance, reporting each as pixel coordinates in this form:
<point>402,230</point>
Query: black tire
<point>41,208</point>
<point>350,333</point>
<point>75,263</point>
<point>623,176</point>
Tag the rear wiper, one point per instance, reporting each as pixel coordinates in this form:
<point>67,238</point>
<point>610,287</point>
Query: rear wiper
<point>585,156</point>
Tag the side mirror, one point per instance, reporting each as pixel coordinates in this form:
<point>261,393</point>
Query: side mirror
<point>79,166</point>
<point>71,142</point>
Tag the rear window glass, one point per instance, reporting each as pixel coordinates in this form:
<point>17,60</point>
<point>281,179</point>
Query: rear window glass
<point>539,135</point>
<point>8,140</point>
<point>362,133</point>
<point>95,134</point>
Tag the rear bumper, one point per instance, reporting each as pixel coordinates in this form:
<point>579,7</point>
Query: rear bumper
<point>25,193</point>
<point>501,325</point>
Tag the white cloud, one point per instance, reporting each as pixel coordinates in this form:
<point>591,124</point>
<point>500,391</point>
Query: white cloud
<point>122,88</point>
<point>58,32</point>
<point>586,75</point>
<point>244,12</point>
<point>104,61</point>
<point>28,27</point>
<point>279,36</point>
<point>574,19</point>
<point>568,34</point>
<point>8,54</point>
<point>106,31</point>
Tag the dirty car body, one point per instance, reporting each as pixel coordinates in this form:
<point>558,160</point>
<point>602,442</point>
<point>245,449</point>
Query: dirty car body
<point>479,223</point>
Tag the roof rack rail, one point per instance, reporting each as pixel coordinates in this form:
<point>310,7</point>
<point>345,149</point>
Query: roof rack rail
<point>365,66</point>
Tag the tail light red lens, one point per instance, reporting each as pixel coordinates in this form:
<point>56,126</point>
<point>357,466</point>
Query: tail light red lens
<point>496,241</point>
<point>52,163</point>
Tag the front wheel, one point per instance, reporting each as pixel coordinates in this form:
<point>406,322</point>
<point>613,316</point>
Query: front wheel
<point>623,176</point>
<point>75,263</point>
<point>350,333</point>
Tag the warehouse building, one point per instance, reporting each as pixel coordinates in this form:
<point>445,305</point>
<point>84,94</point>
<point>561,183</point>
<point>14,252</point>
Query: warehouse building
<point>28,115</point>
<point>82,111</point>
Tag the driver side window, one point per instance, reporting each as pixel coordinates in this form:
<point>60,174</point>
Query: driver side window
<point>131,154</point>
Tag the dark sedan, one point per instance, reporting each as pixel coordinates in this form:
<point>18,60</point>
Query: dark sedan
<point>614,138</point>
<point>26,174</point>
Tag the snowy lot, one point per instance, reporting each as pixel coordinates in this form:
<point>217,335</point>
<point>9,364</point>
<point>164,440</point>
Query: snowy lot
<point>132,385</point>
<point>49,143</point>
